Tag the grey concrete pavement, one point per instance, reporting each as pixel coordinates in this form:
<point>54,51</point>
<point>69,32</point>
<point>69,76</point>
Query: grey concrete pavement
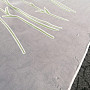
<point>49,64</point>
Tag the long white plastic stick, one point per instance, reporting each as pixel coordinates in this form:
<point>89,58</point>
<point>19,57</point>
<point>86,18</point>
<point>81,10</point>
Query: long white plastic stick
<point>62,6</point>
<point>13,35</point>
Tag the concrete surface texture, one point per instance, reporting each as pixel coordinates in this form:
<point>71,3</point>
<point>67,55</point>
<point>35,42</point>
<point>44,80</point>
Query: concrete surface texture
<point>49,64</point>
<point>82,80</point>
